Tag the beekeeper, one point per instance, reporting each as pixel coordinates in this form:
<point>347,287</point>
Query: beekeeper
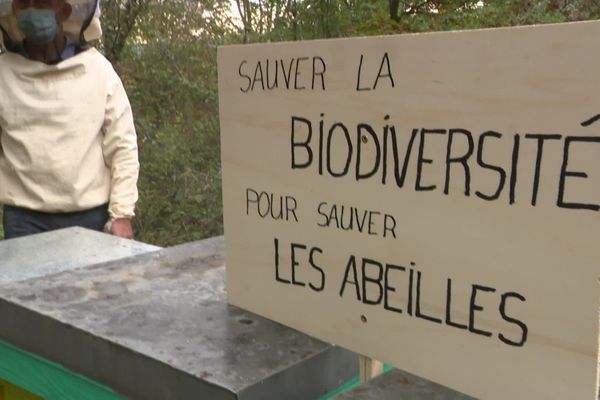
<point>68,149</point>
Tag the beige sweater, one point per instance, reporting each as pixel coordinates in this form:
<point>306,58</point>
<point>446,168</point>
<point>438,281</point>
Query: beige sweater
<point>67,139</point>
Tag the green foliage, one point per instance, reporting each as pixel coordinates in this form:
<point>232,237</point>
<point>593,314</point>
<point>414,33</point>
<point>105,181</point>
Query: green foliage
<point>165,52</point>
<point>168,67</point>
<point>272,20</point>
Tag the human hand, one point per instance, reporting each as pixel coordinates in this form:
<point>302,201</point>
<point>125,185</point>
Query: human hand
<point>121,227</point>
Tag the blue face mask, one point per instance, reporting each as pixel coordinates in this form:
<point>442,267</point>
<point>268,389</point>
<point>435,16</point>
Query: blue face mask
<point>38,25</point>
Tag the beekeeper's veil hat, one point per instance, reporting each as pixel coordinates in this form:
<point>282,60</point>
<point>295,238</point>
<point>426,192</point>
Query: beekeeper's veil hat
<point>82,27</point>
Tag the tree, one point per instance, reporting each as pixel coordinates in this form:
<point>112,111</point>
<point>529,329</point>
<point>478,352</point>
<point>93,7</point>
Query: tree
<point>122,16</point>
<point>168,65</point>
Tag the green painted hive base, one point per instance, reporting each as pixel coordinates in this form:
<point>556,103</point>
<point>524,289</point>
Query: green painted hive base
<point>24,376</point>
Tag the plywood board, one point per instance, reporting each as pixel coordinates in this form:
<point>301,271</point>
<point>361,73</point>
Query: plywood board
<point>427,200</point>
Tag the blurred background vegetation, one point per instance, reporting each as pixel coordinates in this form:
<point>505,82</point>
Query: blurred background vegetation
<point>165,52</point>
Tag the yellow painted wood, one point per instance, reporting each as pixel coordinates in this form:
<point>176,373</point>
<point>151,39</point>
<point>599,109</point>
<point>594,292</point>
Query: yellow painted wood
<point>9,391</point>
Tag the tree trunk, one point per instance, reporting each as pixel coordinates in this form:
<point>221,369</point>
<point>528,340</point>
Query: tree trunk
<point>124,17</point>
<point>394,14</point>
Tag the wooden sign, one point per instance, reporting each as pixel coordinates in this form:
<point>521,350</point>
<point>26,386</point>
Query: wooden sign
<point>427,200</point>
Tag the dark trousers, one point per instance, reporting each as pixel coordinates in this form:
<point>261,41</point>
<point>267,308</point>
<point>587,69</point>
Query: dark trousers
<point>22,222</point>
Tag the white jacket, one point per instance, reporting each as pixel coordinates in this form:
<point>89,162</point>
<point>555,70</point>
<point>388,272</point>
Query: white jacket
<point>67,138</point>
